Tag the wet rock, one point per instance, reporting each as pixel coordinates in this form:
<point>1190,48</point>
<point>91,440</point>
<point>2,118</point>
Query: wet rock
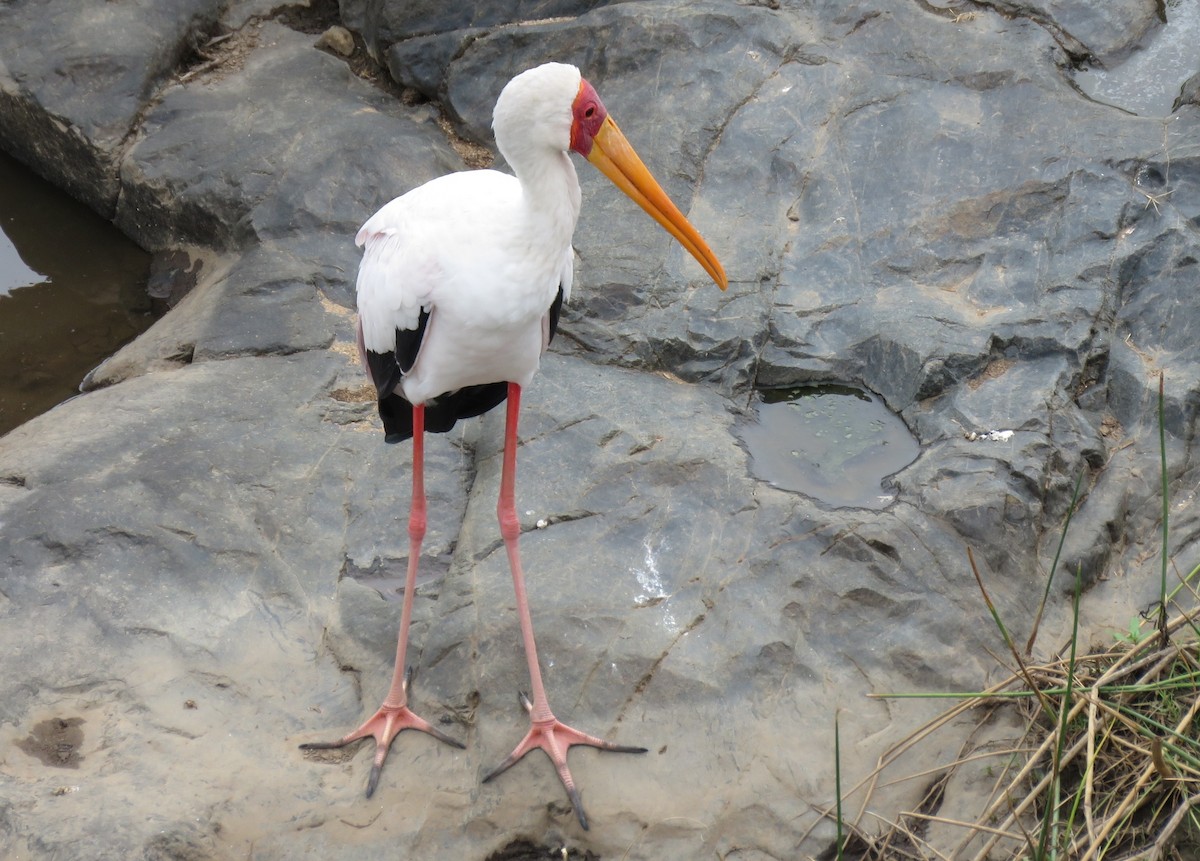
<point>55,742</point>
<point>907,198</point>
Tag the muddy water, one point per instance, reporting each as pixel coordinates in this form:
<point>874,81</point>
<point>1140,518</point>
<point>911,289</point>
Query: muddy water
<point>832,442</point>
<point>72,290</point>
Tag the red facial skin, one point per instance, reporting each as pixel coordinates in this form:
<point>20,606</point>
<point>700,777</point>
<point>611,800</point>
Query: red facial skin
<point>587,115</point>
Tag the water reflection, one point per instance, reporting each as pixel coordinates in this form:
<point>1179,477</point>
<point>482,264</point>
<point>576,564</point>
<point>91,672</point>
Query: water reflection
<point>832,442</point>
<point>72,290</point>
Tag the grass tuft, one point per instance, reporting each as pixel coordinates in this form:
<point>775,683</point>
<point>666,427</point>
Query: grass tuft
<point>1112,771</point>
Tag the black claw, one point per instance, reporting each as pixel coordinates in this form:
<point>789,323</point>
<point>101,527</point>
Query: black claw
<point>577,803</point>
<point>322,745</point>
<point>500,769</point>
<point>373,780</point>
<point>442,737</point>
<point>523,699</point>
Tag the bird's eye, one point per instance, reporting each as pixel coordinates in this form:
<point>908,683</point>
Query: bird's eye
<point>590,112</point>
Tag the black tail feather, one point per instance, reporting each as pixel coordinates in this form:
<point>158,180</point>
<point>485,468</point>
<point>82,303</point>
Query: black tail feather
<point>442,413</point>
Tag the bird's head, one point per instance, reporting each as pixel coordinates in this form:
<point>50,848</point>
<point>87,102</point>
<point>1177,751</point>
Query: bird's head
<point>535,101</point>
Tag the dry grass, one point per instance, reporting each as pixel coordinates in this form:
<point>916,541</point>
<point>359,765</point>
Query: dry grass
<point>1106,767</point>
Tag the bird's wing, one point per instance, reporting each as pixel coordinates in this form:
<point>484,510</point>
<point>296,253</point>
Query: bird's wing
<point>402,270</point>
<point>419,246</point>
<point>396,276</point>
<point>392,310</point>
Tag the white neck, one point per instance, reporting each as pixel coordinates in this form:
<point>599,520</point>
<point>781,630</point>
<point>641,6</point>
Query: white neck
<point>550,188</point>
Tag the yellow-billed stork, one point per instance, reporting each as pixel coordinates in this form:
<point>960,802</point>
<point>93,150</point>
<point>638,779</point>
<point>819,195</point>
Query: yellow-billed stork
<point>459,293</point>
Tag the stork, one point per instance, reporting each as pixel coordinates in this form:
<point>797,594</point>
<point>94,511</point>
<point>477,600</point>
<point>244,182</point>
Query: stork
<point>459,292</point>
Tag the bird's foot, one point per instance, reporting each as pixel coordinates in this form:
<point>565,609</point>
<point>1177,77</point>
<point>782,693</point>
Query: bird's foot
<point>383,726</point>
<point>556,738</point>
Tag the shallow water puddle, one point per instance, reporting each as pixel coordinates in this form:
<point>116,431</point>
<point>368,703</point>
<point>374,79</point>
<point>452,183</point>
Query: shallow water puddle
<point>72,290</point>
<point>833,442</point>
<point>1147,83</point>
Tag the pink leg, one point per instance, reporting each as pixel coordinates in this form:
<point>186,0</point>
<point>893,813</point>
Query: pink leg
<point>394,715</point>
<point>545,731</point>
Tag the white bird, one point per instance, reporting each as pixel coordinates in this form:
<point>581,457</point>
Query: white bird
<point>459,293</point>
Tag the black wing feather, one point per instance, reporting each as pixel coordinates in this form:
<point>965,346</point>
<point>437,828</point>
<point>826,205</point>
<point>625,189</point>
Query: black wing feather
<point>387,368</point>
<point>555,310</point>
<point>408,343</point>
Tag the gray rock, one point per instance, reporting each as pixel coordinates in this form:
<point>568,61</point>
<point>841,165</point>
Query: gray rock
<point>1189,93</point>
<point>73,82</point>
<point>292,109</point>
<point>386,22</point>
<point>1104,33</point>
<point>202,555</point>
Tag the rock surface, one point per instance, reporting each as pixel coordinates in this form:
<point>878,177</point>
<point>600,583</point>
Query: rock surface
<point>200,557</point>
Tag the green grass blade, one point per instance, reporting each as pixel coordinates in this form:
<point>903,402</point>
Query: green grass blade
<point>1166,506</point>
<point>837,781</point>
<point>1037,619</point>
<point>1048,840</point>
